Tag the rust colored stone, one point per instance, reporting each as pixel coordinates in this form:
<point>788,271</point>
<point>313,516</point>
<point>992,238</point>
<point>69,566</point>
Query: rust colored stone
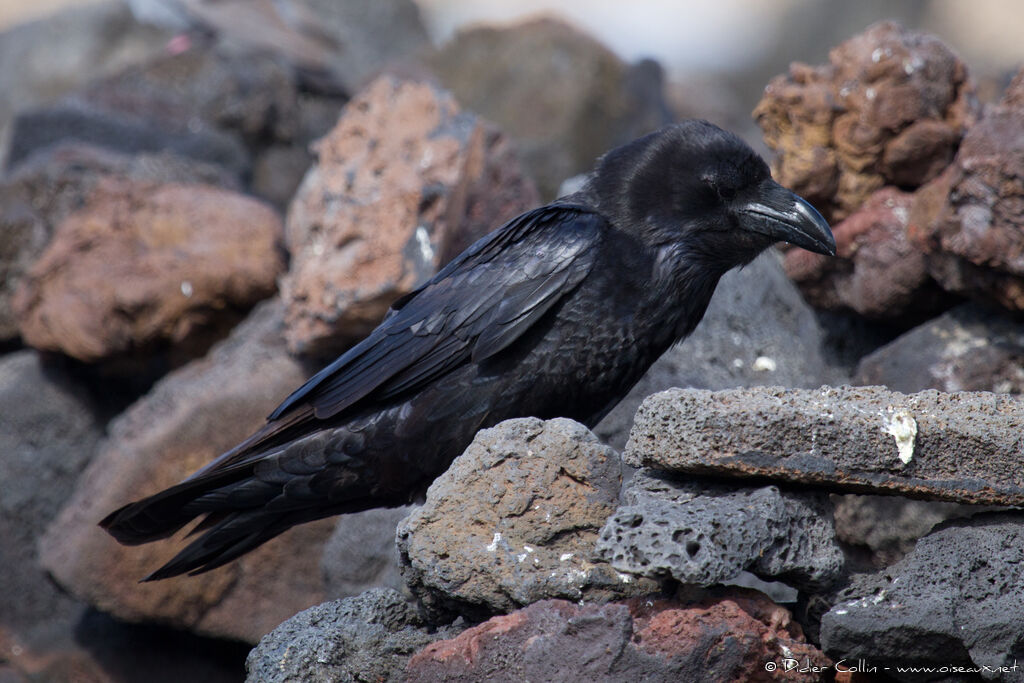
<point>730,636</point>
<point>44,189</point>
<point>889,108</point>
<point>968,220</point>
<point>404,182</point>
<point>143,264</point>
<point>877,272</point>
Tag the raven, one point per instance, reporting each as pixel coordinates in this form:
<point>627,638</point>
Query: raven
<point>557,313</point>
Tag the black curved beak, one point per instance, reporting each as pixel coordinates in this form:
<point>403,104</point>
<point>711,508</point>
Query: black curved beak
<point>786,217</point>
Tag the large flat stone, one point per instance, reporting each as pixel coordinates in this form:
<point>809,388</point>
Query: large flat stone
<point>962,447</point>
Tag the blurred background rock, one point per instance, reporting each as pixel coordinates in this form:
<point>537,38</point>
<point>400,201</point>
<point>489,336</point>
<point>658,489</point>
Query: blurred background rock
<point>717,57</point>
<point>123,354</point>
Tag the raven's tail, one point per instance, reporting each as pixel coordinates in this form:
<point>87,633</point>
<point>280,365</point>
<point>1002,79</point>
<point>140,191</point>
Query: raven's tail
<point>246,496</point>
<point>229,529</point>
<point>245,499</point>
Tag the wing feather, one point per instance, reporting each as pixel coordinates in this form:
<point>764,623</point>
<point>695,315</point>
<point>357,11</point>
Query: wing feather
<point>474,308</point>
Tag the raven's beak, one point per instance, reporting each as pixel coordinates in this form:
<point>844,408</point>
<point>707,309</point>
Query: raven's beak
<point>786,217</point>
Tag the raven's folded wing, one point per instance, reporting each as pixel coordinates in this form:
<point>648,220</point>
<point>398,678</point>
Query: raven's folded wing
<point>475,307</point>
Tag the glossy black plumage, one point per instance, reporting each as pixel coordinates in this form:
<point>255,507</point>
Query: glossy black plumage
<point>557,313</point>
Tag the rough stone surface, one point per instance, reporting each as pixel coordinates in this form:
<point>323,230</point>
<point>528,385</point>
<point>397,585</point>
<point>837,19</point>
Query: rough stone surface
<point>955,600</point>
<point>47,187</point>
<point>968,219</point>
<point>961,447</point>
<point>190,416</point>
<point>139,266</point>
<point>889,108</point>
<point>514,520</point>
<point>707,534</point>
<point>404,182</point>
<point>565,97</point>
<point>969,348</point>
<point>361,553</point>
<point>878,273</point>
<point>369,637</point>
<point>726,638</point>
<point>48,432</point>
<point>757,330</point>
<point>887,527</point>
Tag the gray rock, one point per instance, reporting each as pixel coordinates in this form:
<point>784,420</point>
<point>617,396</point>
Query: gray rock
<point>361,553</point>
<point>514,520</point>
<point>955,600</point>
<point>56,55</point>
<point>563,96</point>
<point>337,45</point>
<point>366,638</point>
<point>36,129</point>
<point>962,447</point>
<point>969,348</point>
<point>887,527</point>
<point>707,534</point>
<point>48,433</point>
<point>757,330</point>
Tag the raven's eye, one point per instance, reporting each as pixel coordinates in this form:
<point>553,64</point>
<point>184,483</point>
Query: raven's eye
<point>725,192</point>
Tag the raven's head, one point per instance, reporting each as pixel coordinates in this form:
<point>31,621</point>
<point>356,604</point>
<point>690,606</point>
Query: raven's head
<point>704,189</point>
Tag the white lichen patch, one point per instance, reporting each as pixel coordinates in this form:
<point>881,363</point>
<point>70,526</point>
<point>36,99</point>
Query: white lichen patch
<point>903,427</point>
<point>493,547</point>
<point>423,241</point>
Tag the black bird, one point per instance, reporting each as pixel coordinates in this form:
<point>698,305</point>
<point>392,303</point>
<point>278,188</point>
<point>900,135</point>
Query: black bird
<point>557,313</point>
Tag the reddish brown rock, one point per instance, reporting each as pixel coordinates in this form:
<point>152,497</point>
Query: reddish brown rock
<point>190,416</point>
<point>730,637</point>
<point>969,219</point>
<point>878,273</point>
<point>44,189</point>
<point>143,264</point>
<point>889,108</point>
<point>404,182</point>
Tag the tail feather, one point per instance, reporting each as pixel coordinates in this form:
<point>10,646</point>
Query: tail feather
<point>163,514</point>
<point>248,497</point>
<point>234,534</point>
